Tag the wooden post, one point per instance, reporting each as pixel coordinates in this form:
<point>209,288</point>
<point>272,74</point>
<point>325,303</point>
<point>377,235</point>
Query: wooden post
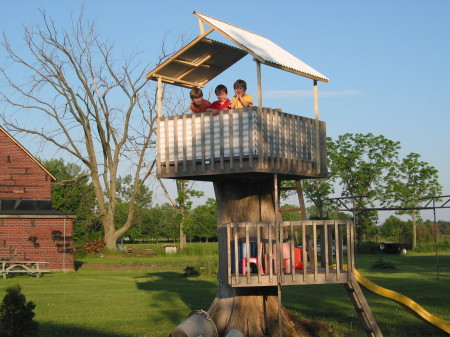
<point>316,117</point>
<point>201,26</point>
<point>258,76</point>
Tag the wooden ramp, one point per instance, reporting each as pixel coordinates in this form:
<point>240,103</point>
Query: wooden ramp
<point>362,308</point>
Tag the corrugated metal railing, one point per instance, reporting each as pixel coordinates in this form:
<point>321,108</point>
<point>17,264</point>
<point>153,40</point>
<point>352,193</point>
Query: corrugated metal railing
<point>240,140</point>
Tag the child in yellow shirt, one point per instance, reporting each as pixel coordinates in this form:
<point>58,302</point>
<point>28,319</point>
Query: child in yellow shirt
<point>240,99</point>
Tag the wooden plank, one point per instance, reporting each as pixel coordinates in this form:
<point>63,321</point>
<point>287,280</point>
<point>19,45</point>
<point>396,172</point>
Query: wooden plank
<point>203,140</point>
<point>231,143</point>
<point>291,227</point>
<point>326,251</point>
<point>158,147</point>
<point>184,145</point>
<point>250,139</point>
<point>259,250</point>
<point>211,140</point>
<point>270,247</point>
<point>236,252</point>
<point>194,144</point>
<point>260,138</point>
<point>241,139</point>
<point>247,248</point>
<point>272,139</point>
<point>289,142</point>
<point>229,262</point>
<point>315,250</point>
<point>175,144</point>
<point>222,139</point>
<point>167,145</point>
<point>338,251</point>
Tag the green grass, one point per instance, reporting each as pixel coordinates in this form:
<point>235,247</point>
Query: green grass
<point>124,296</point>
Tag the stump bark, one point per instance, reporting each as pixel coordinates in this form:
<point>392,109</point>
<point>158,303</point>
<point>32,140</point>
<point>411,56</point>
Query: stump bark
<point>254,310</point>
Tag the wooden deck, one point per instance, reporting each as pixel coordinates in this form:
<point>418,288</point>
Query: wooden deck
<point>240,141</point>
<point>289,253</point>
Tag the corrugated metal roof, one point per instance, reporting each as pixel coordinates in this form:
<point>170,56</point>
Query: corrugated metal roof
<point>262,48</point>
<point>197,63</point>
<point>203,59</point>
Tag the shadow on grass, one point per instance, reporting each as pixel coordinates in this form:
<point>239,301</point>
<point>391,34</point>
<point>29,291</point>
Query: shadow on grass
<point>169,288</point>
<point>57,330</point>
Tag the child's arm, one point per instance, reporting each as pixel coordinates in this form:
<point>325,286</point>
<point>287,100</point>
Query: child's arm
<point>243,101</point>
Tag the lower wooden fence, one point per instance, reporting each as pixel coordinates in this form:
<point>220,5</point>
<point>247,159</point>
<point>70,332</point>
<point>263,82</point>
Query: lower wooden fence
<point>286,253</point>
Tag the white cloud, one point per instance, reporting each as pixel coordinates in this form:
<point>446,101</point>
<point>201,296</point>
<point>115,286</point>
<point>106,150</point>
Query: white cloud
<point>308,93</point>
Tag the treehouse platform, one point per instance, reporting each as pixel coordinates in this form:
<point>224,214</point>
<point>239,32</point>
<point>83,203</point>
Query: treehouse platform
<point>241,141</point>
<point>286,253</point>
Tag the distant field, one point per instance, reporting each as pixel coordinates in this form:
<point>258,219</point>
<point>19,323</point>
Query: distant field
<point>122,295</point>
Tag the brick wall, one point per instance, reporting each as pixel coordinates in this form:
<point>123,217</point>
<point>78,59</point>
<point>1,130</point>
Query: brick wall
<point>47,240</point>
<point>21,177</point>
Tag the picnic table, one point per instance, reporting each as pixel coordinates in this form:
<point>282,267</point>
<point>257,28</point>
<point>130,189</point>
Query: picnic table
<point>32,268</point>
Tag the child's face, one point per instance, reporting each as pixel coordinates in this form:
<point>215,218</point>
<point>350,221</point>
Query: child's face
<point>197,100</point>
<point>222,96</point>
<point>239,90</point>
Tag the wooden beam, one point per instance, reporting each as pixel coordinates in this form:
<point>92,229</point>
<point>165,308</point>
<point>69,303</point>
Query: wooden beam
<point>231,39</point>
<point>201,26</point>
<point>175,56</point>
<point>258,76</point>
<point>317,127</point>
<point>316,101</point>
<point>278,66</point>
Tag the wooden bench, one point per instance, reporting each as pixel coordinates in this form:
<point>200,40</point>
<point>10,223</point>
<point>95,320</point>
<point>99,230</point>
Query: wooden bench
<point>32,268</point>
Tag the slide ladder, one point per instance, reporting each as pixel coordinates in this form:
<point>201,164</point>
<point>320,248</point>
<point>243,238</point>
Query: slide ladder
<point>362,308</point>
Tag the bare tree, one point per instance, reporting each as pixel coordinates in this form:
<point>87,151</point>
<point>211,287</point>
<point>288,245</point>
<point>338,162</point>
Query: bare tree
<point>79,98</point>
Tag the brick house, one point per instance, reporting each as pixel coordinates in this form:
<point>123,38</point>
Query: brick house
<point>29,229</point>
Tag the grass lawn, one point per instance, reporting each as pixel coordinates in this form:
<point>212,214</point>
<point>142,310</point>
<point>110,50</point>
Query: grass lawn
<point>125,296</point>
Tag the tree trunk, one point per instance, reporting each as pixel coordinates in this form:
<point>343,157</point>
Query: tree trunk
<point>182,236</point>
<point>254,310</point>
<point>414,231</point>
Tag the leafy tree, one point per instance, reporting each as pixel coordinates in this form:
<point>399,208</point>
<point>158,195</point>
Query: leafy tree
<point>329,212</point>
<point>183,204</point>
<point>361,163</point>
<point>86,103</point>
<point>413,180</point>
<point>143,202</point>
<point>290,215</point>
<point>16,315</point>
<point>204,220</point>
<point>73,193</point>
<point>318,191</point>
<point>393,227</point>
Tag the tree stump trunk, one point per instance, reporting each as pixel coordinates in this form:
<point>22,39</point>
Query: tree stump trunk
<point>254,310</point>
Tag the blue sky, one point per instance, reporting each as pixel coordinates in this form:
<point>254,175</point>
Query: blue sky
<point>388,61</point>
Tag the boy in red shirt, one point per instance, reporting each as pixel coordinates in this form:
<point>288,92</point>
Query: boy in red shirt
<point>222,102</point>
<point>198,103</point>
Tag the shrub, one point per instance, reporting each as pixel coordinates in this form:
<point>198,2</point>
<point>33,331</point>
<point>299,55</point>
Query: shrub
<point>206,267</point>
<point>16,315</point>
<point>191,271</point>
<point>381,264</point>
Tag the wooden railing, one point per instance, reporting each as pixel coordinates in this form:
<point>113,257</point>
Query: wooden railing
<point>290,253</point>
<point>240,141</point>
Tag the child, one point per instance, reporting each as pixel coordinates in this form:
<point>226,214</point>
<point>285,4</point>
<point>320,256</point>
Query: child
<point>240,99</point>
<point>198,103</point>
<point>222,102</point>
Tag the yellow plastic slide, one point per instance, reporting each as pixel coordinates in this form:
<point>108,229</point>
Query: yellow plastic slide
<point>404,301</point>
